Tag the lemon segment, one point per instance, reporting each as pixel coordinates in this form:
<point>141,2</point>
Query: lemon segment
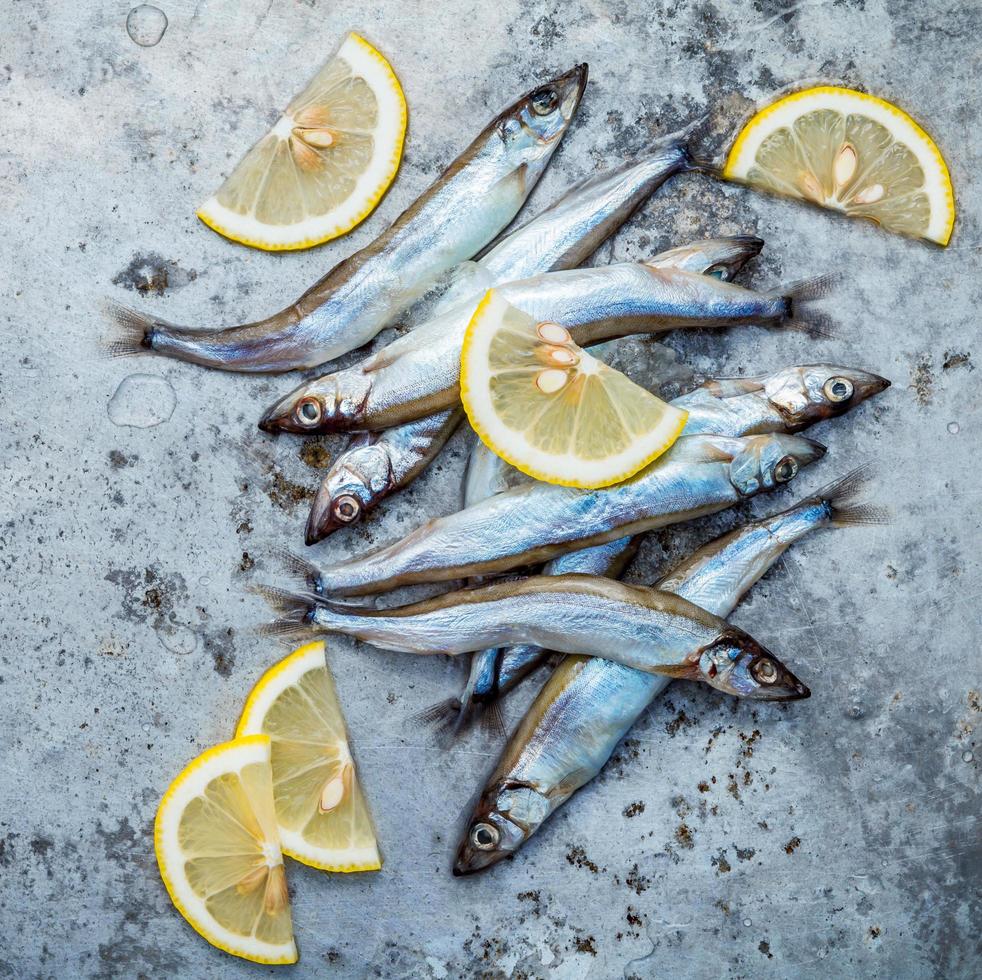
<point>326,163</point>
<point>850,152</point>
<point>218,850</point>
<point>321,811</point>
<point>550,409</point>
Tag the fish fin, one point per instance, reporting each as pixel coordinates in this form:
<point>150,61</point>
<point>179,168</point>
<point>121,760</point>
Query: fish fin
<point>694,160</point>
<point>132,330</point>
<point>492,719</point>
<point>846,511</point>
<point>306,571</point>
<point>681,672</point>
<point>444,718</point>
<point>705,449</point>
<point>281,600</point>
<point>295,610</point>
<point>571,782</point>
<point>798,295</point>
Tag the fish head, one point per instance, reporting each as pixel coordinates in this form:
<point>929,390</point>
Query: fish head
<point>532,128</point>
<point>355,483</point>
<point>507,814</point>
<point>722,258</point>
<point>768,461</point>
<point>806,394</point>
<point>737,664</point>
<point>315,406</point>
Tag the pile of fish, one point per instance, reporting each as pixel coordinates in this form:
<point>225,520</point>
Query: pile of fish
<point>622,643</point>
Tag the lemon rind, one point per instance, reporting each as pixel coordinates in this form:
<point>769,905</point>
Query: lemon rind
<point>247,230</point>
<point>468,391</point>
<point>195,776</point>
<point>744,151</point>
<point>265,691</point>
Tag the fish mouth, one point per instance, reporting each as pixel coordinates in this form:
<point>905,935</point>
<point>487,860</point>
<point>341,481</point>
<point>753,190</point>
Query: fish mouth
<point>806,450</point>
<point>867,384</point>
<point>572,84</point>
<point>320,521</point>
<point>470,861</point>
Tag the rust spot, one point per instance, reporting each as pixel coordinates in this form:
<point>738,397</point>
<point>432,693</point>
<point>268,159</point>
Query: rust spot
<point>684,836</point>
<point>792,845</point>
<point>247,562</point>
<point>576,856</point>
<point>586,945</point>
<point>634,809</point>
<point>315,455</point>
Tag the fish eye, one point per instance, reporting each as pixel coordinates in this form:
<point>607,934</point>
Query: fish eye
<point>786,469</point>
<point>346,508</point>
<point>544,101</point>
<point>308,411</point>
<point>764,670</point>
<point>838,389</point>
<point>485,836</point>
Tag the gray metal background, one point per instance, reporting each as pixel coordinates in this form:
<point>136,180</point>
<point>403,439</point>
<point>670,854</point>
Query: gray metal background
<point>838,837</point>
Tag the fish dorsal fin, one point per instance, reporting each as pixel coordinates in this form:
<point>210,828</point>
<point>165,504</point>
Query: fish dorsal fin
<point>706,449</point>
<point>731,387</point>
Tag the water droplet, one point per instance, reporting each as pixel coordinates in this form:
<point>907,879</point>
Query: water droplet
<point>953,428</point>
<point>146,25</point>
<point>178,639</point>
<point>967,756</point>
<point>142,401</point>
<point>204,580</point>
<point>747,923</point>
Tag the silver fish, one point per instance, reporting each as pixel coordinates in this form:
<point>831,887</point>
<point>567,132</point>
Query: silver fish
<point>589,704</point>
<point>786,401</point>
<point>419,373</point>
<point>538,521</point>
<point>633,625</point>
<point>476,197</point>
<point>373,467</point>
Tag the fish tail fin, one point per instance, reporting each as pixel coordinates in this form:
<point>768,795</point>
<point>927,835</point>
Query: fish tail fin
<point>295,609</point>
<point>798,296</point>
<point>844,509</point>
<point>492,719</point>
<point>694,158</point>
<point>445,719</point>
<point>300,569</point>
<point>132,331</point>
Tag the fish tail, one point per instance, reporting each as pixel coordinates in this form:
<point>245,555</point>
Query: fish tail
<point>845,510</point>
<point>492,719</point>
<point>686,139</point>
<point>445,718</point>
<point>797,298</point>
<point>301,569</point>
<point>133,331</point>
<point>295,609</point>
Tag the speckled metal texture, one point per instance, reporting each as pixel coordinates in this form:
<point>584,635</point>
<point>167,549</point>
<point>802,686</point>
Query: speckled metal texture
<point>833,837</point>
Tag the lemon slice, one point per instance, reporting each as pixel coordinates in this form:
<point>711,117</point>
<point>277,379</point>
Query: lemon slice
<point>219,853</point>
<point>325,164</point>
<point>850,152</point>
<point>550,409</point>
<point>323,817</point>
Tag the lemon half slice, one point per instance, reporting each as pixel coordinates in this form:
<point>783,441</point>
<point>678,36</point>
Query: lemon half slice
<point>218,850</point>
<point>322,814</point>
<point>550,409</point>
<point>325,164</point>
<point>850,152</point>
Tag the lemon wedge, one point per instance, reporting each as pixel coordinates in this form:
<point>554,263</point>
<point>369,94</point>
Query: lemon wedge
<point>218,850</point>
<point>850,152</point>
<point>550,409</point>
<point>320,809</point>
<point>326,163</point>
